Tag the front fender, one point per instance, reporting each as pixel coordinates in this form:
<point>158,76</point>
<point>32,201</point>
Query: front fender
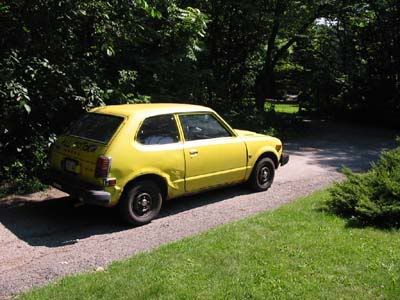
<point>255,152</point>
<point>267,149</point>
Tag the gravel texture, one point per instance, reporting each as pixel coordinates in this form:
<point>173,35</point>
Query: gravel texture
<point>42,237</point>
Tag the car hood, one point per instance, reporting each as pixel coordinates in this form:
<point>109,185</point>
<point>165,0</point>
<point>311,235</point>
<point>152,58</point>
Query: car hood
<point>251,134</point>
<point>248,133</point>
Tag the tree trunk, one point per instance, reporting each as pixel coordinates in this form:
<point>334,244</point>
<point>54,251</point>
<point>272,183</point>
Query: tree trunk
<point>265,86</point>
<point>260,94</point>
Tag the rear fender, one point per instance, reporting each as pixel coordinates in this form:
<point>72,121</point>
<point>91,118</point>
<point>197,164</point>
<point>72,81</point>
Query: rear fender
<point>174,188</point>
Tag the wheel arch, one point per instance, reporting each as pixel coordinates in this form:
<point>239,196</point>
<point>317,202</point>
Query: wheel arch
<point>270,155</point>
<point>159,180</point>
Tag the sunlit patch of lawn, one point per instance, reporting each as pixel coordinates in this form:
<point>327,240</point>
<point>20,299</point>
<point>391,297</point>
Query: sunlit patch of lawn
<point>286,108</point>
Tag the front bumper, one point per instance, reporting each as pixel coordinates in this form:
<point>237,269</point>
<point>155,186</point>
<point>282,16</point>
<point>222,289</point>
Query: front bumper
<point>284,159</point>
<point>84,192</point>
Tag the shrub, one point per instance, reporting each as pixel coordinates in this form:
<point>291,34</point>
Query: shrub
<point>21,173</point>
<point>371,198</point>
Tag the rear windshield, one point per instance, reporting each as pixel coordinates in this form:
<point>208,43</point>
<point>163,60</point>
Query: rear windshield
<point>95,127</point>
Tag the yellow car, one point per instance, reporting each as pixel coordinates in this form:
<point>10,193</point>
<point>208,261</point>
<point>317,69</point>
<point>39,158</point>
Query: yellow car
<point>138,155</point>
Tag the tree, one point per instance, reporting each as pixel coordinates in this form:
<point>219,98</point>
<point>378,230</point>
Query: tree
<point>351,61</point>
<point>289,22</point>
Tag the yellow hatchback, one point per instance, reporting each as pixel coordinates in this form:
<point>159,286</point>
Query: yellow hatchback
<point>138,155</point>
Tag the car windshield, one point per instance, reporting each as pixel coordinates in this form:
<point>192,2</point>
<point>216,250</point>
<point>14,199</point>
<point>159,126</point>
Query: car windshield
<point>97,127</point>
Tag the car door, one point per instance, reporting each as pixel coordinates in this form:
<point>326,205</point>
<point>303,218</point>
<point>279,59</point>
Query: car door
<point>214,156</point>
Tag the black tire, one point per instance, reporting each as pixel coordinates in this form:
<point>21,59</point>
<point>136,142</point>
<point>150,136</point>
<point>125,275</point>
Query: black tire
<point>141,202</point>
<point>263,175</point>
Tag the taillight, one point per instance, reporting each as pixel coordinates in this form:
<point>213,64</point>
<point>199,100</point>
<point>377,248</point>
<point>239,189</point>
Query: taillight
<point>103,166</point>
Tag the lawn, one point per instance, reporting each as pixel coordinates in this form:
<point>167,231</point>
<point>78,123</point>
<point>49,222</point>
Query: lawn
<point>285,108</point>
<point>296,251</point>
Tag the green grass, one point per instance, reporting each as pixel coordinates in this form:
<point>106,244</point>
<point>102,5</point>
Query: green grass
<point>296,252</point>
<point>282,107</point>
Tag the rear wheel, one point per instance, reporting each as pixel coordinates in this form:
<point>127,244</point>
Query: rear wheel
<point>141,202</point>
<point>263,175</point>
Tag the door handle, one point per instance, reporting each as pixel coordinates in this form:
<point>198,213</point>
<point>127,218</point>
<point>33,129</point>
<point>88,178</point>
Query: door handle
<point>193,152</point>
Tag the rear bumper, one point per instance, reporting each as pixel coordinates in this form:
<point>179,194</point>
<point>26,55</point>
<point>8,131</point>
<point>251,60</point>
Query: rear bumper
<point>84,192</point>
<point>284,159</point>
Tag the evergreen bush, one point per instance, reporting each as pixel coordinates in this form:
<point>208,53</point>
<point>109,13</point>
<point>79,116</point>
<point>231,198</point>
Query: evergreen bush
<point>371,198</point>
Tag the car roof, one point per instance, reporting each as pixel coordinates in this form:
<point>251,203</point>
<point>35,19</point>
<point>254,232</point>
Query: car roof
<point>148,109</point>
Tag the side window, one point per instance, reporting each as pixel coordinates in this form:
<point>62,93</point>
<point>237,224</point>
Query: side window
<point>202,126</point>
<point>158,130</point>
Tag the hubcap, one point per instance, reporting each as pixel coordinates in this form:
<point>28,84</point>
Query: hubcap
<point>263,175</point>
<point>142,203</point>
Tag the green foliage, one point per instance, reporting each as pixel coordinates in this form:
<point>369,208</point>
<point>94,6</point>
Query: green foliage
<point>349,62</point>
<point>373,197</point>
<point>21,173</point>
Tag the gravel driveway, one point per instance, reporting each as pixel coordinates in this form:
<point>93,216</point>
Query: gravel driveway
<point>43,238</point>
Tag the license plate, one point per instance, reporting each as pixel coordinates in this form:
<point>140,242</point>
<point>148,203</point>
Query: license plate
<point>71,166</point>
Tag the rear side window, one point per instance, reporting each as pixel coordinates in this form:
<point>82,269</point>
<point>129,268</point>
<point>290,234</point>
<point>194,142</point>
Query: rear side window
<point>96,127</point>
<point>202,126</point>
<point>158,130</point>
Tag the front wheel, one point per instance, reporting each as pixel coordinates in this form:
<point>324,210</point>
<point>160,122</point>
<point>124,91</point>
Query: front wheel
<point>263,175</point>
<point>141,202</point>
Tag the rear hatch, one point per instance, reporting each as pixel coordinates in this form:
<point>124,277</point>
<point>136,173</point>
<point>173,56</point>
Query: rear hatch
<point>77,151</point>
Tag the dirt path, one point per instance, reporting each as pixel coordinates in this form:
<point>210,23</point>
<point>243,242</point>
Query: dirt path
<point>43,238</point>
